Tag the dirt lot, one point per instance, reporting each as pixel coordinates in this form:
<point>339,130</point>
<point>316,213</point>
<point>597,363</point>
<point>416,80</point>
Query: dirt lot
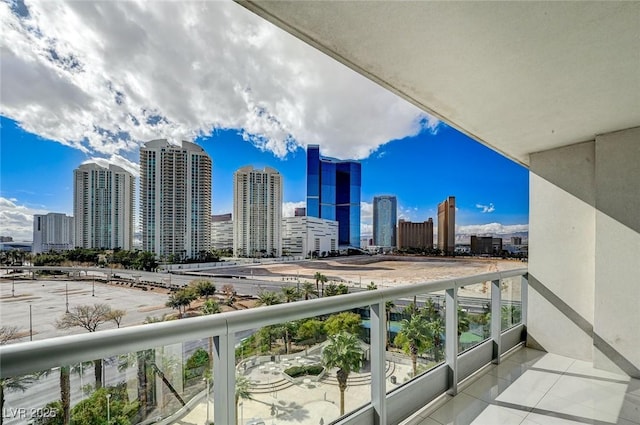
<point>383,270</point>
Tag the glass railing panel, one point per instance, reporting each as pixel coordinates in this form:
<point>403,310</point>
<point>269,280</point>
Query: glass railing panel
<point>288,372</point>
<point>511,311</point>
<point>416,334</point>
<point>474,315</point>
<point>136,387</point>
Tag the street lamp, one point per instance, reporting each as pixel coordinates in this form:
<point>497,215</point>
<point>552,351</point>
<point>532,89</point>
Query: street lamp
<point>13,286</point>
<point>108,409</point>
<point>93,287</point>
<point>30,324</point>
<point>66,295</point>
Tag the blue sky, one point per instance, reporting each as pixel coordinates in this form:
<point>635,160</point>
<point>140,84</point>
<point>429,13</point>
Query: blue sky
<point>80,82</point>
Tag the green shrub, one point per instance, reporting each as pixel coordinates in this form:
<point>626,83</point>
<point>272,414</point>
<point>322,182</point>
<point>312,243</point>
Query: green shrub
<point>296,371</point>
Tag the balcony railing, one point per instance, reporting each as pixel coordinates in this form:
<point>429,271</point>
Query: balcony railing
<point>384,407</point>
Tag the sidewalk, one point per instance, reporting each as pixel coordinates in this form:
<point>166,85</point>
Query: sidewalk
<point>308,403</point>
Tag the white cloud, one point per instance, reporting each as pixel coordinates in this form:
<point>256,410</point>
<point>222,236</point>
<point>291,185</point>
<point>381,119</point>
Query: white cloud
<point>366,212</point>
<point>366,230</point>
<point>491,229</point>
<point>486,208</point>
<point>366,219</point>
<point>104,77</point>
<point>289,208</point>
<point>17,220</point>
<point>118,160</point>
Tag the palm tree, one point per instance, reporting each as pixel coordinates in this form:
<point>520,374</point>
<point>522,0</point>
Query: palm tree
<point>290,293</point>
<point>413,338</point>
<point>65,393</point>
<point>204,288</point>
<point>463,321</point>
<point>436,329</point>
<point>343,352</point>
<point>142,360</point>
<point>243,390</point>
<point>388,307</point>
<point>268,298</point>
<point>210,307</point>
<point>510,315</point>
<point>430,312</point>
<point>288,329</point>
<point>318,277</point>
<point>308,290</point>
<point>323,280</point>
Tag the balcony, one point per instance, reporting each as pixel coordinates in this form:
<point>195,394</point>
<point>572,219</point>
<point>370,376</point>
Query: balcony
<point>531,387</point>
<point>151,359</point>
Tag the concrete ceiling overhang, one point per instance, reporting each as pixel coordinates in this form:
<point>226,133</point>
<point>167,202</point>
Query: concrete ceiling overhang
<point>520,77</point>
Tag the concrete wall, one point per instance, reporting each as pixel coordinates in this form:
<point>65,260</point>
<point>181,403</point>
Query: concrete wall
<point>584,251</point>
<point>617,291</point>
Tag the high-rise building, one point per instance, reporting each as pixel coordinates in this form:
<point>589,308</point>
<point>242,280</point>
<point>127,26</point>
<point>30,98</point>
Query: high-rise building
<point>516,240</point>
<point>52,232</point>
<point>300,212</point>
<point>415,235</point>
<point>385,213</point>
<point>221,231</point>
<point>308,236</point>
<point>103,207</point>
<point>333,193</point>
<point>257,211</point>
<point>486,245</point>
<point>447,225</point>
<point>175,204</point>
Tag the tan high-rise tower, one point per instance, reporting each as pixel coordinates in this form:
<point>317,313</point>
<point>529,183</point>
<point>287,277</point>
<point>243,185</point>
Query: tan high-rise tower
<point>447,225</point>
<point>257,212</point>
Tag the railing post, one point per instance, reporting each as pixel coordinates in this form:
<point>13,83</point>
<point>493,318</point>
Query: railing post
<point>451,339</point>
<point>496,320</point>
<point>378,363</point>
<point>224,380</point>
<point>524,299</point>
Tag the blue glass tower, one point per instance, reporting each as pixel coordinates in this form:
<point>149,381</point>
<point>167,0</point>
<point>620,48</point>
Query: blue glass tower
<point>333,193</point>
<point>385,214</point>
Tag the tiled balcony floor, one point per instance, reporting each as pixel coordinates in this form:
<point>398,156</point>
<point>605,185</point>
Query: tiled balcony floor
<point>531,387</point>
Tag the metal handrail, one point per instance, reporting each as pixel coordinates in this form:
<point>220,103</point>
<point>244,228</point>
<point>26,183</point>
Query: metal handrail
<point>28,357</point>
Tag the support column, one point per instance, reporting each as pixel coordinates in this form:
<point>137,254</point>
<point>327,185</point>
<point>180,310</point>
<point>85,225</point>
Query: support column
<point>224,380</point>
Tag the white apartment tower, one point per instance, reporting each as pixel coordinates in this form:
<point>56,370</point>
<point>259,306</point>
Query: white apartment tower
<point>257,212</point>
<point>175,199</point>
<point>103,207</point>
<point>52,232</point>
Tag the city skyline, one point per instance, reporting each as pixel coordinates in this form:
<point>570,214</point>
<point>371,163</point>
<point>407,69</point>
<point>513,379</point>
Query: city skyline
<point>68,99</point>
<point>506,215</point>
